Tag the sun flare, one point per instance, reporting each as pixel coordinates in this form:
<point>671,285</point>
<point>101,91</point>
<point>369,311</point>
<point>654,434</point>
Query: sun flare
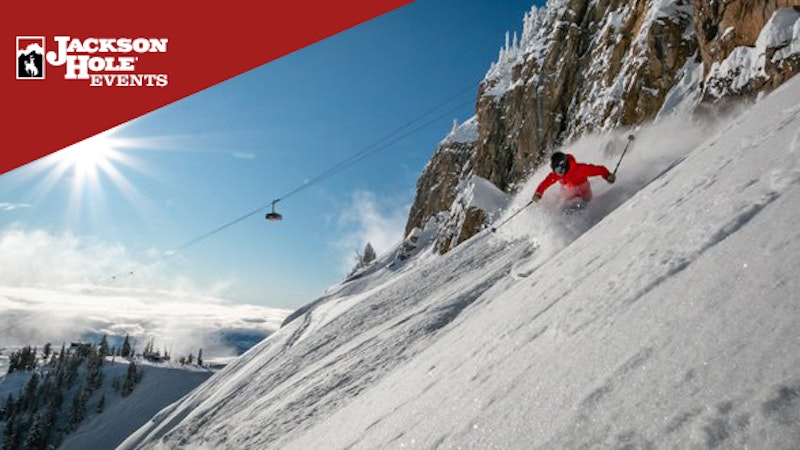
<point>90,167</point>
<point>87,155</point>
<point>89,161</point>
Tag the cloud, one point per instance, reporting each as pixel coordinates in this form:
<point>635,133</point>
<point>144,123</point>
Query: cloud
<point>380,222</point>
<point>243,155</point>
<point>180,323</point>
<point>32,257</point>
<point>52,290</point>
<point>6,206</point>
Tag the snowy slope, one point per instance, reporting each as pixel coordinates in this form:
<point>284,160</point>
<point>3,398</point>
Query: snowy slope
<point>668,316</point>
<point>161,385</point>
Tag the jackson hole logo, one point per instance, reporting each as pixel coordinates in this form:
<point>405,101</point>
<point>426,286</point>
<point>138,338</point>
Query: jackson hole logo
<point>30,57</point>
<point>97,61</point>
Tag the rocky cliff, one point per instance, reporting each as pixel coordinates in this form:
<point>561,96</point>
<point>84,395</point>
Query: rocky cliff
<point>597,65</point>
<point>747,47</point>
<point>440,177</point>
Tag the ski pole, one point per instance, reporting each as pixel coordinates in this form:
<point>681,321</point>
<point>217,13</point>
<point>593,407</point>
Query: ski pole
<point>512,216</point>
<point>630,139</point>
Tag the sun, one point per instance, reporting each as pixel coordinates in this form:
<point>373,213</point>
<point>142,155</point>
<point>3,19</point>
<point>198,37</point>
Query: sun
<point>88,155</point>
<point>89,167</point>
<point>87,158</point>
<point>90,161</point>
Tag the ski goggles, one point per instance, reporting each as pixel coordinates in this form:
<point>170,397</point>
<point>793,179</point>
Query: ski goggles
<point>561,167</point>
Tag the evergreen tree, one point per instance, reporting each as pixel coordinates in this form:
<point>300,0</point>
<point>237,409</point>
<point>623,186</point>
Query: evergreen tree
<point>78,411</point>
<point>83,350</point>
<point>103,349</point>
<point>9,408</point>
<point>8,433</point>
<point>57,399</point>
<point>98,378</point>
<point>11,434</point>
<point>131,378</point>
<point>50,421</point>
<point>34,417</point>
<point>94,370</point>
<point>126,348</point>
<point>33,383</point>
<point>369,255</point>
<point>363,260</point>
<point>71,369</point>
<point>60,375</point>
<point>101,404</point>
<point>200,357</point>
<point>29,399</point>
<point>35,438</point>
<point>24,359</point>
<point>46,386</point>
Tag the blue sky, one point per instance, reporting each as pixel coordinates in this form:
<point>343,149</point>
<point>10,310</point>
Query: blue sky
<point>173,175</point>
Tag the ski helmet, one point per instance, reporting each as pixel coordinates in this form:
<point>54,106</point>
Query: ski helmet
<point>559,163</point>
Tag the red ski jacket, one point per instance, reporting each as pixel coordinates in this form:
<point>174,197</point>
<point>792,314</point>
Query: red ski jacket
<point>575,182</point>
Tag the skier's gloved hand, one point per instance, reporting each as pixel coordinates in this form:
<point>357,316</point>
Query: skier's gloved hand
<point>536,197</point>
<point>611,178</point>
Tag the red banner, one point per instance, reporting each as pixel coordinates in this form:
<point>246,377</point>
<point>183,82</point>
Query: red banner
<point>84,68</point>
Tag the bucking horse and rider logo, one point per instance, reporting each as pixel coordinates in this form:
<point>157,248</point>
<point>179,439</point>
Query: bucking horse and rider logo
<point>30,57</point>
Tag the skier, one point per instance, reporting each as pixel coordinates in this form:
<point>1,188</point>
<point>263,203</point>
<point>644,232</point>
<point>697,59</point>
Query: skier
<point>574,178</point>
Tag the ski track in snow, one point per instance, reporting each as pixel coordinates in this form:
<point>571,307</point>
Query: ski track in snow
<point>663,317</point>
<point>353,350</point>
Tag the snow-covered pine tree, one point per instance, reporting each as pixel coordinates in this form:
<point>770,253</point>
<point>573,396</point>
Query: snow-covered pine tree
<point>23,359</point>
<point>369,255</point>
<point>363,259</point>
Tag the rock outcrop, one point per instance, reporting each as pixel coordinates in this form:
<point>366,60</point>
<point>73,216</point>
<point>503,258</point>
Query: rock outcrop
<point>722,26</point>
<point>747,47</point>
<point>596,65</point>
<point>436,187</point>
